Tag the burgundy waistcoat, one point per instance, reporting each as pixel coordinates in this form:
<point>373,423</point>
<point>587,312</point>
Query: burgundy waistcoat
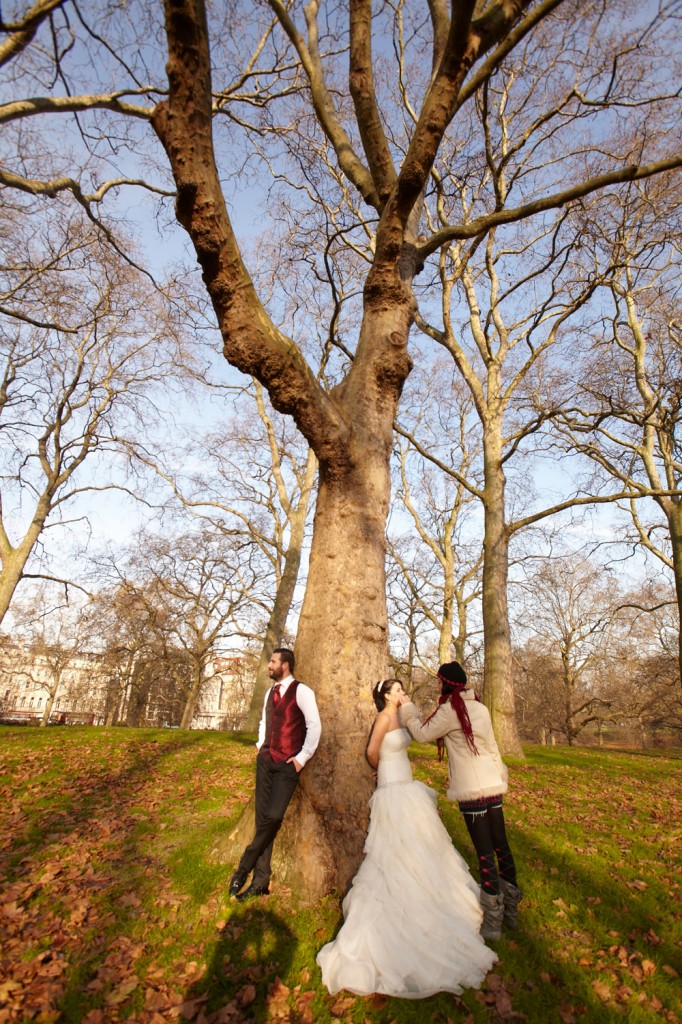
<point>284,726</point>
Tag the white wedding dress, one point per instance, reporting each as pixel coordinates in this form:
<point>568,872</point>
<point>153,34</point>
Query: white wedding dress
<point>412,916</point>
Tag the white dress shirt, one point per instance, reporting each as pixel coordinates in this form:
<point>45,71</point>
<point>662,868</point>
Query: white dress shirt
<point>305,698</point>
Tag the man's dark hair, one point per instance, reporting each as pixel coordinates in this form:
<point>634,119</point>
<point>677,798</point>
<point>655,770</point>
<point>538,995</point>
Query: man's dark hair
<point>286,655</point>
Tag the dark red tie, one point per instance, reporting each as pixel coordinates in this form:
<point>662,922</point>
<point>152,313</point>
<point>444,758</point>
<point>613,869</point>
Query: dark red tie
<point>276,695</point>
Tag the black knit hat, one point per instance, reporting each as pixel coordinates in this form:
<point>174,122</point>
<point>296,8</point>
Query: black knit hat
<point>454,680</point>
<point>452,672</point>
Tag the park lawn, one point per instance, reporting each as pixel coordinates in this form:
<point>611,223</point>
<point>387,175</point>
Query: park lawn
<point>111,908</point>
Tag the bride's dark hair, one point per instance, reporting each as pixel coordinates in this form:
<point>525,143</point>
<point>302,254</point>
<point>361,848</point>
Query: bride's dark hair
<point>380,690</point>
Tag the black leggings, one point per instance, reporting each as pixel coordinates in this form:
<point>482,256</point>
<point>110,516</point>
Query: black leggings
<point>489,836</point>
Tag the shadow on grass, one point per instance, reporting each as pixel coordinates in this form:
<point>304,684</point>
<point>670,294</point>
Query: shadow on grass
<point>243,739</point>
<point>654,753</point>
<point>82,876</point>
<point>88,790</point>
<point>242,982</point>
<point>585,757</point>
<point>578,907</point>
<point>560,927</point>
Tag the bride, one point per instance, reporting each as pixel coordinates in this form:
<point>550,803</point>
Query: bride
<point>412,916</point>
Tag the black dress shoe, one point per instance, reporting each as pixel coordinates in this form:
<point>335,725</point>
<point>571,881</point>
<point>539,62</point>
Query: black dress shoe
<point>238,881</point>
<point>253,890</point>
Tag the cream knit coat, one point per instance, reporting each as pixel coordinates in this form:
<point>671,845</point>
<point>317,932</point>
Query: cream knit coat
<point>471,775</point>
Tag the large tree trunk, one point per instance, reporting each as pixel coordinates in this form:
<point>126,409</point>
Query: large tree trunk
<point>192,697</point>
<point>498,682</point>
<point>13,564</point>
<point>445,639</point>
<point>136,699</point>
<point>49,703</point>
<point>642,732</point>
<point>569,686</point>
<point>675,526</point>
<point>345,603</point>
<point>341,651</point>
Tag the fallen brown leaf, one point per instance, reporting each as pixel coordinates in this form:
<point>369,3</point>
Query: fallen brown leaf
<point>247,995</point>
<point>602,990</point>
<point>154,1000</point>
<point>341,1005</point>
<point>119,994</point>
<point>623,993</point>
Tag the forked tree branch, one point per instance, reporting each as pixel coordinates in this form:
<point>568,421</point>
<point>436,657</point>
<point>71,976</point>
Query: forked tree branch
<point>252,342</point>
<point>633,172</point>
<point>22,32</point>
<point>361,81</point>
<point>327,117</point>
<point>76,104</point>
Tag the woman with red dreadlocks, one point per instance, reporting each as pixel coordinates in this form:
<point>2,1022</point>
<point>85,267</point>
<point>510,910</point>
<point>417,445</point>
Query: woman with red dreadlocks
<point>477,781</point>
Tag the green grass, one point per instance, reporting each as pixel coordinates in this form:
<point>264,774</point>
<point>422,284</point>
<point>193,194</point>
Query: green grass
<point>112,910</point>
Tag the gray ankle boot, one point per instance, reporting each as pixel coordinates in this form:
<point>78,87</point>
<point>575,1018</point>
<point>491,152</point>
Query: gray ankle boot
<point>493,911</point>
<point>512,896</point>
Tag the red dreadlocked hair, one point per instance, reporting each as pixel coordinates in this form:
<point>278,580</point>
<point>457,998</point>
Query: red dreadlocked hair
<point>459,707</point>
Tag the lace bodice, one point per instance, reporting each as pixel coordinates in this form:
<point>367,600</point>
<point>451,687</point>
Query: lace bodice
<point>394,765</point>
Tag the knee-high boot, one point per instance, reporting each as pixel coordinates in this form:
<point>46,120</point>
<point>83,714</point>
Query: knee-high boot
<point>512,896</point>
<point>493,911</point>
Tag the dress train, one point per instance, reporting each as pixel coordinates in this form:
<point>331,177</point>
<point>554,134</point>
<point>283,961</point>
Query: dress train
<point>412,916</point>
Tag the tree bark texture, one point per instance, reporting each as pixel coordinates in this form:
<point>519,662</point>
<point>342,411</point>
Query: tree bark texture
<point>498,681</point>
<point>341,652</point>
<point>459,641</point>
<point>445,639</point>
<point>49,704</point>
<point>675,525</point>
<point>192,696</point>
<point>14,559</point>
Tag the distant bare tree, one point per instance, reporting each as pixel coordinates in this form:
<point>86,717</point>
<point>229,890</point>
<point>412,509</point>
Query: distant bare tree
<point>56,639</point>
<point>440,558</point>
<point>85,343</point>
<point>142,667</point>
<point>641,673</point>
<point>256,483</point>
<point>196,592</point>
<point>627,409</point>
<point>571,612</point>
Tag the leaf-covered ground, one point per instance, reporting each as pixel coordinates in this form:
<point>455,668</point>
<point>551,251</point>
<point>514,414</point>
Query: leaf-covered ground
<point>110,909</point>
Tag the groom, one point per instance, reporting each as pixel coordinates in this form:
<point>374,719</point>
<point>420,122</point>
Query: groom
<point>288,735</point>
